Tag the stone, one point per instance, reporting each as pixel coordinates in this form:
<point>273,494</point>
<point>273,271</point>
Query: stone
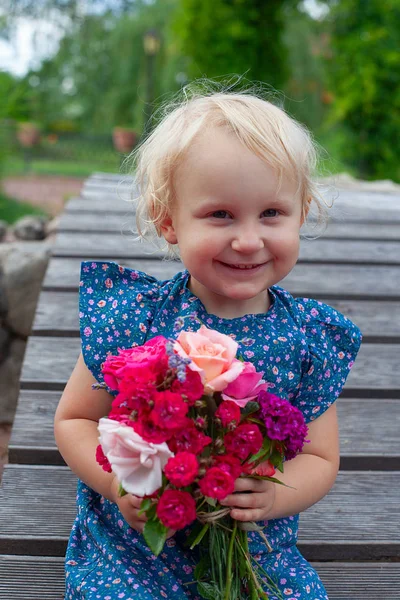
<point>30,228</point>
<point>10,370</point>
<point>23,266</point>
<point>3,230</point>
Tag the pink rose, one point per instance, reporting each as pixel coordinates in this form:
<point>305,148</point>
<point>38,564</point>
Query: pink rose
<point>212,355</point>
<point>137,464</point>
<point>246,386</point>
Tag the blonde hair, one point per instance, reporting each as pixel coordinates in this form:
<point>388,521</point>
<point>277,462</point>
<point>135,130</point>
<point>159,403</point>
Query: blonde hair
<point>264,128</point>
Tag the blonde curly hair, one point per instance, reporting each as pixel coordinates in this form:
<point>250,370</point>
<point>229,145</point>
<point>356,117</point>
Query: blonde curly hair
<point>262,126</point>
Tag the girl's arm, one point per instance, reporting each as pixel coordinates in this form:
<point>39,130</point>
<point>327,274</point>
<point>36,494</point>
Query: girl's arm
<point>312,474</point>
<point>76,434</point>
<point>75,429</point>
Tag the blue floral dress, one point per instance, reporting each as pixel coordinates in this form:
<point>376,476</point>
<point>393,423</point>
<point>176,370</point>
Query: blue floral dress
<point>305,349</point>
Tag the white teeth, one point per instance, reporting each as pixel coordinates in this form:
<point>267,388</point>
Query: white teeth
<point>244,266</point>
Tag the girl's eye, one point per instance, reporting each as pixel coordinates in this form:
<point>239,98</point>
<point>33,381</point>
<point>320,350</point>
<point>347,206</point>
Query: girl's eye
<point>220,214</point>
<point>270,212</point>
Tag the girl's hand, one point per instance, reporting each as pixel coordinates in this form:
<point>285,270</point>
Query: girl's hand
<point>252,499</point>
<point>129,506</point>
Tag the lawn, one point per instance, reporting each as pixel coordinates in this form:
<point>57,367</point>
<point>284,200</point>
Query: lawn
<point>11,210</point>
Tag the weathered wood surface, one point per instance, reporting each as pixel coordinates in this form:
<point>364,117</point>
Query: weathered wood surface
<point>333,282</point>
<point>57,314</point>
<point>362,444</point>
<point>321,250</point>
<point>343,581</point>
<point>38,521</point>
<point>120,223</point>
<point>357,520</point>
<point>49,362</point>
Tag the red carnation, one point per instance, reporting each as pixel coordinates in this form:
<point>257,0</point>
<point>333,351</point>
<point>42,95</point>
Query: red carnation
<point>182,469</point>
<point>228,412</point>
<point>169,410</point>
<point>189,439</point>
<point>176,509</point>
<point>149,431</point>
<point>102,459</point>
<point>228,463</point>
<point>191,389</point>
<point>217,484</point>
<point>244,440</point>
<point>266,469</point>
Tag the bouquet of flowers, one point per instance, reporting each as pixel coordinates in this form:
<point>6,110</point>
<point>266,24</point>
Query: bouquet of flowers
<point>188,420</point>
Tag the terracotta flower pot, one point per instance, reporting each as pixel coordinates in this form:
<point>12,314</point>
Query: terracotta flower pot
<point>28,135</point>
<point>124,139</point>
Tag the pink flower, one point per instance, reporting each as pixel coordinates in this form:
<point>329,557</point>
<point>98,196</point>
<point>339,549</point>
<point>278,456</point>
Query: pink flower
<point>176,509</point>
<point>212,355</point>
<point>244,440</point>
<point>228,412</point>
<point>245,387</point>
<point>137,464</point>
<point>182,469</point>
<point>217,483</point>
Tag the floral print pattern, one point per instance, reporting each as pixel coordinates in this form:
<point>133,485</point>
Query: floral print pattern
<point>305,349</point>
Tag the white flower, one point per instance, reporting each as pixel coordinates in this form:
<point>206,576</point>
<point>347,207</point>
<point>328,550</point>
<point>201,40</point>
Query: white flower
<point>137,464</point>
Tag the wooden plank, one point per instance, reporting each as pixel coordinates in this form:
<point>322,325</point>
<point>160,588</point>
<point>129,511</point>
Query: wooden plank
<point>117,223</point>
<point>74,243</point>
<point>31,578</point>
<point>361,423</point>
<point>57,314</point>
<point>49,362</point>
<point>351,207</point>
<point>332,282</point>
<point>78,205</point>
<point>343,581</point>
<point>345,525</point>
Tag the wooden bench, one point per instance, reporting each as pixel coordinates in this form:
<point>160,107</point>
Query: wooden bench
<point>353,535</point>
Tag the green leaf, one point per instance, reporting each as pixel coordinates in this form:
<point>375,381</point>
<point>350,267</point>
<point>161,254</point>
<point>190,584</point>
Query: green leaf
<point>145,505</point>
<point>263,453</point>
<point>251,407</point>
<point>152,511</point>
<point>211,501</point>
<point>155,534</point>
<point>193,534</point>
<point>121,491</point>
<point>202,567</point>
<point>208,590</point>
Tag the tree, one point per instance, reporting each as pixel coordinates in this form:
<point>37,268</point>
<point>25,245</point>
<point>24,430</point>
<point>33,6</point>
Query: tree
<point>222,37</point>
<point>364,75</point>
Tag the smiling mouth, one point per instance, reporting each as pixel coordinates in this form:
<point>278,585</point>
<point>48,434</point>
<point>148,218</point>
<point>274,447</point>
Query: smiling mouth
<point>242,267</point>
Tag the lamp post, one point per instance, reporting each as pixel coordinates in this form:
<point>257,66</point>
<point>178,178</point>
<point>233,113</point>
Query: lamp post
<point>151,44</point>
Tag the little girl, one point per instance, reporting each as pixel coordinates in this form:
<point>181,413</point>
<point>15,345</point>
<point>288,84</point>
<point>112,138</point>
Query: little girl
<point>226,177</point>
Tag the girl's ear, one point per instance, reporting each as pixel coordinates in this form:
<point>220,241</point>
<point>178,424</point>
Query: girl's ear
<point>168,232</point>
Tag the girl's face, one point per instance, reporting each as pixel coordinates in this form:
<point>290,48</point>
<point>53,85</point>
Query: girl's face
<point>237,234</point>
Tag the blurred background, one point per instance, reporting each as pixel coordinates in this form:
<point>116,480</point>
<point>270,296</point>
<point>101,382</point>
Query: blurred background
<point>80,79</point>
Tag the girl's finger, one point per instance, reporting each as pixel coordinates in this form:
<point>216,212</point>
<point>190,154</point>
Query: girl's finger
<point>247,515</point>
<point>246,484</point>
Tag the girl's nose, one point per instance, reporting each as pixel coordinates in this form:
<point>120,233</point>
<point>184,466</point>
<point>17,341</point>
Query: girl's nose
<point>248,242</point>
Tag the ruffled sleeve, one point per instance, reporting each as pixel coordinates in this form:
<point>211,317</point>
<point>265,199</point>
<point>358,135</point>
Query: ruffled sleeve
<point>331,345</point>
<point>116,308</point>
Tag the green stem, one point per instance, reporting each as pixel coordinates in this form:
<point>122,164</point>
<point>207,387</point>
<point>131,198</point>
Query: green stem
<point>229,563</point>
<point>252,587</point>
<point>200,536</point>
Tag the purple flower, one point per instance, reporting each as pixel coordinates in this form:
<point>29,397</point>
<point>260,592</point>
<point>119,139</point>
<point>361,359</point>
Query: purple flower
<point>283,422</point>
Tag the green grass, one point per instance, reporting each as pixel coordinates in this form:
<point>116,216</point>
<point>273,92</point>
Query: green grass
<point>14,165</point>
<point>11,210</point>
